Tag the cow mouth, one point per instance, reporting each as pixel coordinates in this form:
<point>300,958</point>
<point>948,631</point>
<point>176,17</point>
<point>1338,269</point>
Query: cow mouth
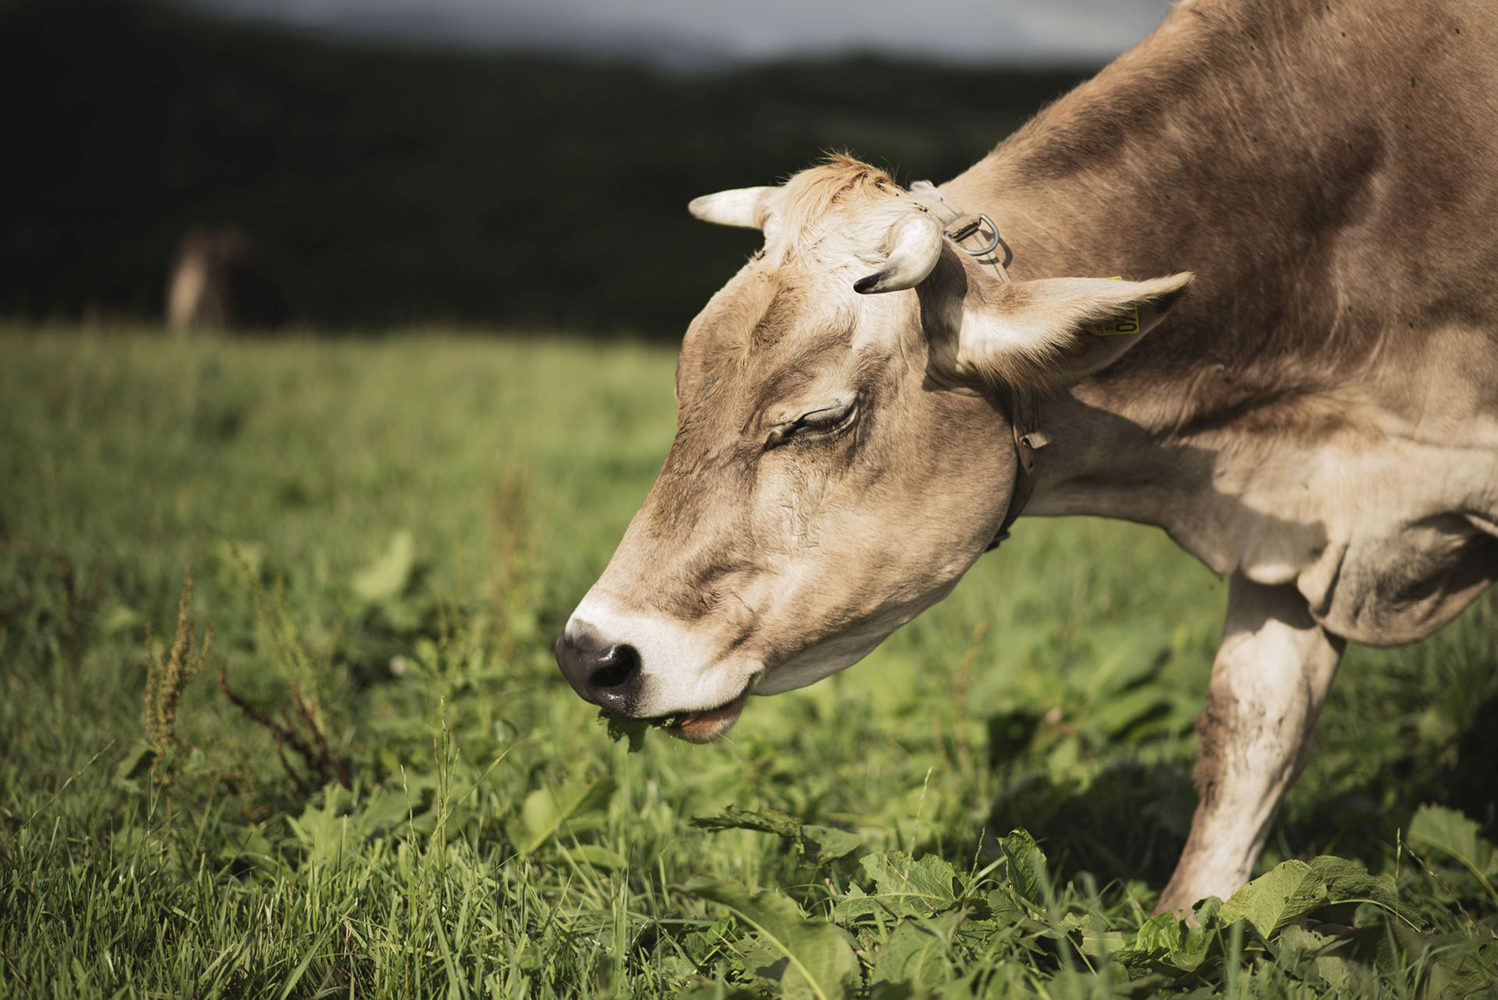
<point>706,725</point>
<point>702,725</point>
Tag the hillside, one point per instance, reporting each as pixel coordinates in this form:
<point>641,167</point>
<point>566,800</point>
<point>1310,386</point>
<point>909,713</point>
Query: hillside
<point>402,185</point>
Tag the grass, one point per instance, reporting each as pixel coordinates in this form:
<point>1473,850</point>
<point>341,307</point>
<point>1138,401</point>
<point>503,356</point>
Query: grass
<point>384,535</point>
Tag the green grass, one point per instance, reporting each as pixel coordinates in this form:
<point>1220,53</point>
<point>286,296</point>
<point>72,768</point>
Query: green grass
<point>394,529</point>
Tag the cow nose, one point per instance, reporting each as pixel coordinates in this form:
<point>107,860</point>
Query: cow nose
<point>608,676</point>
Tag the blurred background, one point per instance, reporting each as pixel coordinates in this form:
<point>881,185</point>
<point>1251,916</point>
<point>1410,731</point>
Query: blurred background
<point>350,165</point>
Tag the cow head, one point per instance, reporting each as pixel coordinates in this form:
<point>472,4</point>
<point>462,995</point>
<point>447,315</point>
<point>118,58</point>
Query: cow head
<point>842,454</point>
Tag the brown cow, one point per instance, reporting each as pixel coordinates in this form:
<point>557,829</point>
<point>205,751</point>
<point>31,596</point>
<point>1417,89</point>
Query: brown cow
<point>1317,419</point>
<point>219,280</point>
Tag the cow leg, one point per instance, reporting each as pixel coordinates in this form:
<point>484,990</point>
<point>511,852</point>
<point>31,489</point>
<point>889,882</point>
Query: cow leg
<point>1269,681</point>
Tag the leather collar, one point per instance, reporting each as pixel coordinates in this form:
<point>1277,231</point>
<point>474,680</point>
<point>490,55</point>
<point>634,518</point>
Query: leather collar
<point>978,236</point>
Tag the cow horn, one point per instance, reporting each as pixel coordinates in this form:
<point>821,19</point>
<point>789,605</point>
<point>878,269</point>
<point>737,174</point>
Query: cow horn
<point>914,248</point>
<point>748,207</point>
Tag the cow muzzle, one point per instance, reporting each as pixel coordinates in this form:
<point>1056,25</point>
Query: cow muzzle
<point>607,675</point>
<point>643,666</point>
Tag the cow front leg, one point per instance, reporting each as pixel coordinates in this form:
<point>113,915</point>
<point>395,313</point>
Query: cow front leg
<point>1269,681</point>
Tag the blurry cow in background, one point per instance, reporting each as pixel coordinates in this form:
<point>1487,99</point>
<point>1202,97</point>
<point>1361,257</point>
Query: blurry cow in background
<point>219,280</point>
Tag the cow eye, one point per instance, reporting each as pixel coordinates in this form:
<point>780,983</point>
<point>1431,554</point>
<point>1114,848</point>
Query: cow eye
<point>823,421</point>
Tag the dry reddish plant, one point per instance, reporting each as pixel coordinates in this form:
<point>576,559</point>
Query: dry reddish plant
<point>319,764</point>
<point>167,679</point>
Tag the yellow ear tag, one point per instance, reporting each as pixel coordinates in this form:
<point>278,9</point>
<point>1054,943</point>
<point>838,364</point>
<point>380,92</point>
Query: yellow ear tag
<point>1122,325</point>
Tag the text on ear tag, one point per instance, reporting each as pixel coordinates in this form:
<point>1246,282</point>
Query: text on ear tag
<point>1121,325</point>
<point>1124,323</point>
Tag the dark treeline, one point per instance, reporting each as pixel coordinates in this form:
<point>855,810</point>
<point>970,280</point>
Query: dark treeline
<point>387,185</point>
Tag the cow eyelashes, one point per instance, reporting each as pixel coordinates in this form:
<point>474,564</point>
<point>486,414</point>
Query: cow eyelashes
<point>824,421</point>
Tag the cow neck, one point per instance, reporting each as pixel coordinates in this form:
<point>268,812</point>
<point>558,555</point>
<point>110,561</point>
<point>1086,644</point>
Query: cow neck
<point>1111,179</point>
<point>978,236</point>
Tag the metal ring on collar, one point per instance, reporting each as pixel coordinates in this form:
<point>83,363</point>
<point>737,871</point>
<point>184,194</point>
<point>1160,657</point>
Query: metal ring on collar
<point>992,246</point>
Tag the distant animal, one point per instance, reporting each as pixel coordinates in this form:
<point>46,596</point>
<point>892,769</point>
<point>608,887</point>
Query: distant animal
<point>865,405</point>
<point>219,279</point>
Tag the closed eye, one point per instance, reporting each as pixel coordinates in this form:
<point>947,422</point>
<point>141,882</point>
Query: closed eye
<point>824,421</point>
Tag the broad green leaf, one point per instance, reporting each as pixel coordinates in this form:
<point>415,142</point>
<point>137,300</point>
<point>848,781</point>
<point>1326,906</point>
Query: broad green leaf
<point>854,904</point>
<point>1127,657</point>
<point>1185,944</point>
<point>1005,905</point>
<point>1160,933</point>
<point>134,764</point>
<point>386,577</point>
<point>1336,971</point>
<point>1295,940</point>
<point>1157,939</point>
<point>1471,975</point>
<point>1312,955</point>
<point>917,951</point>
<point>903,887</point>
<point>1453,834</point>
<point>325,834</point>
<point>545,810</point>
<point>828,843</point>
<point>387,809</point>
<point>1118,713</point>
<point>1208,911</point>
<point>1027,872</point>
<point>1096,944</point>
<point>819,960</point>
<point>447,821</point>
<point>702,946</point>
<point>762,960</point>
<point>1349,882</point>
<point>1285,893</point>
<point>250,847</point>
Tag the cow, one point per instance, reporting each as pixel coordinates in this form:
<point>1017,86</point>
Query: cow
<point>1296,378</point>
<point>219,280</point>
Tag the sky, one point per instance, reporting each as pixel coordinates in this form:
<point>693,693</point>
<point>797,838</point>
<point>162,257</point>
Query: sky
<point>706,31</point>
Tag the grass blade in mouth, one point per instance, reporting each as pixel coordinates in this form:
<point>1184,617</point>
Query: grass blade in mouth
<point>624,728</point>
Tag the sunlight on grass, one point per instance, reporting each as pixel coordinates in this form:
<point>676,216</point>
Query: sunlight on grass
<point>385,535</point>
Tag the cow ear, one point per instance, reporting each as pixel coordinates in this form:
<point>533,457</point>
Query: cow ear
<point>749,207</point>
<point>1046,334</point>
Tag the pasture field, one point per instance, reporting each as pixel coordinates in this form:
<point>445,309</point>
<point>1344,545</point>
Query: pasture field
<point>384,535</point>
